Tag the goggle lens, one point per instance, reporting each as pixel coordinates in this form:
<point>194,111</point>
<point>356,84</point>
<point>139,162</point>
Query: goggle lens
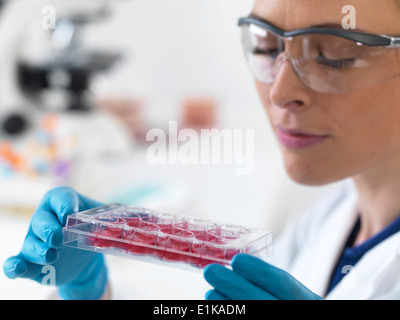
<point>325,63</point>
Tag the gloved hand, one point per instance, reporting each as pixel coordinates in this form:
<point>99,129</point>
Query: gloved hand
<point>78,274</point>
<point>253,279</point>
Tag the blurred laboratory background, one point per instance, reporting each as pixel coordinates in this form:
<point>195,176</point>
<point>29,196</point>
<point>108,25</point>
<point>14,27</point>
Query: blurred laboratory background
<point>79,93</point>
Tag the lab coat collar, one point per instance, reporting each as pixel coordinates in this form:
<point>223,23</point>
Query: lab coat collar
<point>334,233</point>
<point>377,273</point>
<point>375,276</point>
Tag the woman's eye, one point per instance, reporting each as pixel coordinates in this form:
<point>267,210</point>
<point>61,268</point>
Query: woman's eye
<point>268,52</point>
<point>338,64</point>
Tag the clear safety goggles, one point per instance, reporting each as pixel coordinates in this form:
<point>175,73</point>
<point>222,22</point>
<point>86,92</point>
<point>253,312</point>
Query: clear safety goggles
<point>327,60</point>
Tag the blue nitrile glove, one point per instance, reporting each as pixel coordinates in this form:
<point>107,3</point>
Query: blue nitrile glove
<point>253,279</point>
<point>78,274</point>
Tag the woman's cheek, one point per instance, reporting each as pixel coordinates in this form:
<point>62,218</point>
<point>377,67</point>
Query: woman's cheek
<point>362,135</point>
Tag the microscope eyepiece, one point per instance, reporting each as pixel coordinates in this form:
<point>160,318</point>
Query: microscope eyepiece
<point>14,124</point>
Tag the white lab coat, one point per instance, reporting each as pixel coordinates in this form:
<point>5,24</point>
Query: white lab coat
<point>310,247</point>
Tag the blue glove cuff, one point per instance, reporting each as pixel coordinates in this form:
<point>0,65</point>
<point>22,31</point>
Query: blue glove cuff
<point>90,285</point>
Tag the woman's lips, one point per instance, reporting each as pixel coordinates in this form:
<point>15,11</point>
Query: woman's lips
<point>298,139</point>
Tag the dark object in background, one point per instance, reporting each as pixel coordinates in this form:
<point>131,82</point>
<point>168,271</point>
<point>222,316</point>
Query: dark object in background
<point>2,3</point>
<point>72,74</point>
<point>14,124</point>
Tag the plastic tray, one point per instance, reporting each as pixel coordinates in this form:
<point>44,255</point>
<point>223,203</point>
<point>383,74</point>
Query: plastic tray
<point>165,238</point>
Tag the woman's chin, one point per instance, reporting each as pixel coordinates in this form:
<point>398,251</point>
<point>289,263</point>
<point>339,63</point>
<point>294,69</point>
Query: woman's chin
<point>310,175</point>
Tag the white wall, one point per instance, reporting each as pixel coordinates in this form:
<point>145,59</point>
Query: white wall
<point>178,47</point>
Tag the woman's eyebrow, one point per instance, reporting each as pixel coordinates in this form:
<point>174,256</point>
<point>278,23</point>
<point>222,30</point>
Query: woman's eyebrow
<point>255,16</point>
<point>327,25</point>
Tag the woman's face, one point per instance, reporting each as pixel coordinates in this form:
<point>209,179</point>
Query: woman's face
<point>348,134</point>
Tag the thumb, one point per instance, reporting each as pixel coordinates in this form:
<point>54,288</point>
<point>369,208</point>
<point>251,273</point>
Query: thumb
<point>63,201</point>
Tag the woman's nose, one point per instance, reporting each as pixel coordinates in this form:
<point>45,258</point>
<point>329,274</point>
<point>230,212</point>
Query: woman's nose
<point>288,90</point>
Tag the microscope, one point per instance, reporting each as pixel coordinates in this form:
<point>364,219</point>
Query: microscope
<point>51,130</point>
<point>44,67</point>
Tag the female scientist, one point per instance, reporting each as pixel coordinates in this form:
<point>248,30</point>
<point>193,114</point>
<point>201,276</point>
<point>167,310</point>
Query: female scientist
<point>332,97</point>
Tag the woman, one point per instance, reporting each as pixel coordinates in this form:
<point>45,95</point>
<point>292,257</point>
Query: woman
<point>331,98</point>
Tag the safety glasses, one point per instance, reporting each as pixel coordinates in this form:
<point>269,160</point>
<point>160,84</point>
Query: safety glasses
<point>327,60</point>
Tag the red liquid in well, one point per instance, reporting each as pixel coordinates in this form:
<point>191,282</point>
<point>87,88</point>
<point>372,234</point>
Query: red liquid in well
<point>197,250</point>
<point>175,243</point>
<point>180,245</point>
<point>112,233</point>
<point>106,232</point>
<point>209,250</point>
<point>200,251</point>
<point>143,237</point>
